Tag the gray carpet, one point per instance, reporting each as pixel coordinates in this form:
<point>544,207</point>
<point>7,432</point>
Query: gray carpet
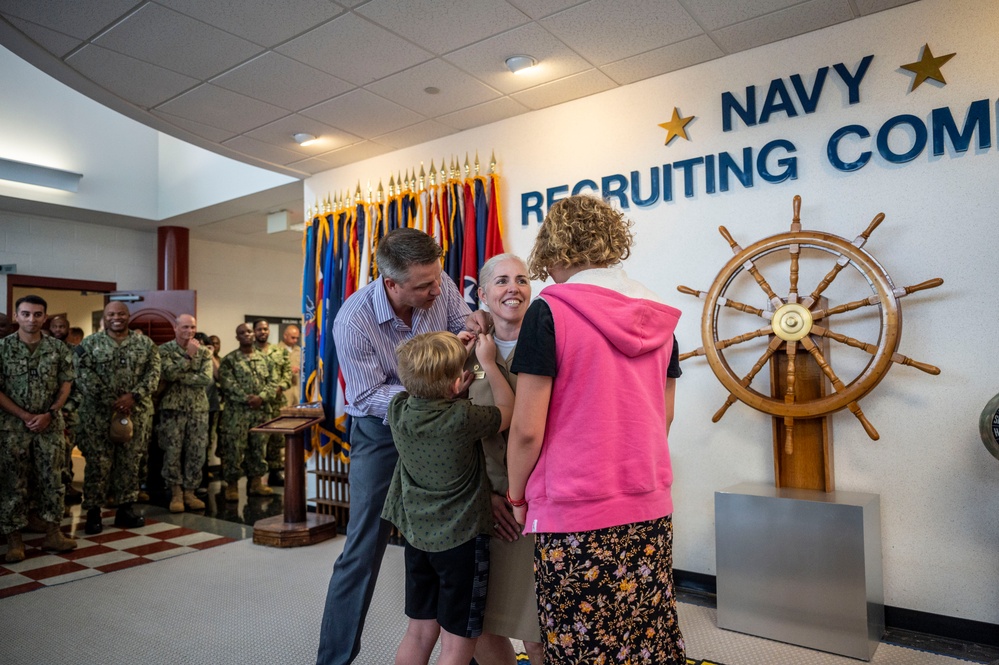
<point>250,605</point>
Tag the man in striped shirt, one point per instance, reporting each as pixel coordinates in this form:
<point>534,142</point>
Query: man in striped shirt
<point>411,296</point>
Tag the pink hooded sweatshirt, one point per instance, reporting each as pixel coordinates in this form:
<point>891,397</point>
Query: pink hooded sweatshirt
<point>604,459</point>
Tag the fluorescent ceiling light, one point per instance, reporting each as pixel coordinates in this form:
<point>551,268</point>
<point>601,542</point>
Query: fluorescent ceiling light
<point>43,176</point>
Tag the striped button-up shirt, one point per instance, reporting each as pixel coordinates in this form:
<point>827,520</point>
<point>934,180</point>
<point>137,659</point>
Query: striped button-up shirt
<point>367,331</point>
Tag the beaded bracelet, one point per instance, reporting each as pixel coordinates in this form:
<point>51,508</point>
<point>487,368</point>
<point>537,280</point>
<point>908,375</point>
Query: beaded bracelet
<point>518,503</point>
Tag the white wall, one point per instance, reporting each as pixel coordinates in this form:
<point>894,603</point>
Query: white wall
<point>47,247</point>
<point>233,281</point>
<point>939,487</point>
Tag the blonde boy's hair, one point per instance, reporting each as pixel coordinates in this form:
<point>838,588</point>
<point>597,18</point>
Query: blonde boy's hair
<point>429,364</point>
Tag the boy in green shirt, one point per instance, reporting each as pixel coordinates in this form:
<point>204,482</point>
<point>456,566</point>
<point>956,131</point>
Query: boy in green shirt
<point>439,495</point>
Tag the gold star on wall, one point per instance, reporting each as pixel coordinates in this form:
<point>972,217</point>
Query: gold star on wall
<point>927,67</point>
<point>676,126</point>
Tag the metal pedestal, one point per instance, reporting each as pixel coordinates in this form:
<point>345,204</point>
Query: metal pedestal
<point>801,566</point>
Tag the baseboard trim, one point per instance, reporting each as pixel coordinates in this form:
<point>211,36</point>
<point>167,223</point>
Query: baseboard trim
<point>954,628</point>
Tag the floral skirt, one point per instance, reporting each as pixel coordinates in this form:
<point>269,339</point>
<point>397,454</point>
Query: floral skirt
<point>606,596</point>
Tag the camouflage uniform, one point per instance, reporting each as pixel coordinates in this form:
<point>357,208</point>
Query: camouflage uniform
<point>277,355</point>
<point>105,371</point>
<point>183,414</point>
<point>32,381</point>
<point>241,376</point>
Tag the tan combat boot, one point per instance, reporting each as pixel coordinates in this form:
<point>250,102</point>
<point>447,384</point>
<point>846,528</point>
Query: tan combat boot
<point>257,487</point>
<point>15,548</point>
<point>193,502</point>
<point>232,491</point>
<point>177,499</point>
<point>54,540</point>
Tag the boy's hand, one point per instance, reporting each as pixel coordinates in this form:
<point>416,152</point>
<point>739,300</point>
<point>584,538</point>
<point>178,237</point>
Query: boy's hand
<point>486,349</point>
<point>503,523</point>
<point>466,380</point>
<point>468,339</point>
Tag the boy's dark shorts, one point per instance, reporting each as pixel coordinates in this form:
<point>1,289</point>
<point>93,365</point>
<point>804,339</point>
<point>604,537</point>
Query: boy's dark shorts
<point>449,586</point>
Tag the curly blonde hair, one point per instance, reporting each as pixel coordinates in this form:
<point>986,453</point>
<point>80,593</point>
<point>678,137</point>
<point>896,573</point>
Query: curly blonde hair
<point>580,231</point>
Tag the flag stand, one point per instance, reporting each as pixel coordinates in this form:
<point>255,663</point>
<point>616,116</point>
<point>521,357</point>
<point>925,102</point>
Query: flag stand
<point>296,527</point>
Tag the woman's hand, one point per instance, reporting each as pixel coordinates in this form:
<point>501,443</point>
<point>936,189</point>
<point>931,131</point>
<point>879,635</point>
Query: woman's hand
<point>520,514</point>
<point>504,525</point>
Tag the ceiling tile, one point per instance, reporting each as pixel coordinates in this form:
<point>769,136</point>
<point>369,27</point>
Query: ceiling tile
<point>416,134</point>
<point>221,108</point>
<point>265,151</point>
<point>662,60</point>
<point>138,82</point>
<point>196,128</point>
<point>280,133</point>
<point>872,6</point>
<point>362,113</point>
<point>278,80</point>
<point>564,90</point>
<point>355,50</point>
<point>342,157</point>
<point>52,41</point>
<point>456,89</point>
<point>78,19</point>
<point>604,31</point>
<point>486,60</point>
<point>163,37</point>
<point>484,114</point>
<point>780,25</point>
<point>261,21</point>
<point>540,8</point>
<point>444,25</point>
<point>714,14</point>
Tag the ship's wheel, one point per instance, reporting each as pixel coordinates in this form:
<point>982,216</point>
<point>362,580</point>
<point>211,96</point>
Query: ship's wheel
<point>798,322</point>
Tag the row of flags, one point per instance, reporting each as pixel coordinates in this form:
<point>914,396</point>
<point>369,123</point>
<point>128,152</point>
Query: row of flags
<point>340,244</point>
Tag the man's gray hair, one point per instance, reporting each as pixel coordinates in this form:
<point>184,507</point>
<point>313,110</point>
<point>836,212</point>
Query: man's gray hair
<point>403,248</point>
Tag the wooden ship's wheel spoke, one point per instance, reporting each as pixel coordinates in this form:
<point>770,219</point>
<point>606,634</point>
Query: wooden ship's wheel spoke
<point>725,302</point>
<point>775,344</point>
<point>872,348</point>
<point>795,251</point>
<point>853,406</point>
<point>858,242</point>
<point>751,268</point>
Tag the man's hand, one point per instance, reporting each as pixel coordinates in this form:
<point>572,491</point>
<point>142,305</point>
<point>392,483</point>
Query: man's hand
<point>504,525</point>
<point>38,422</point>
<point>124,404</point>
<point>479,322</point>
<point>193,346</point>
<point>255,401</point>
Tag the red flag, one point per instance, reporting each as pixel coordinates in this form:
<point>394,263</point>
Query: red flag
<point>494,234</point>
<point>470,253</point>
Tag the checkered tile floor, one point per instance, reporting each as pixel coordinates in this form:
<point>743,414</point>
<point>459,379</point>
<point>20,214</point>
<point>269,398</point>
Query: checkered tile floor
<point>112,549</point>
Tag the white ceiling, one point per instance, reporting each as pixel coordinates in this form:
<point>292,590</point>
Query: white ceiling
<point>241,76</point>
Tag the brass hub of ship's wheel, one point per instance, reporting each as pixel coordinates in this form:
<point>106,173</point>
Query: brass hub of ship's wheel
<point>795,322</point>
<point>791,322</point>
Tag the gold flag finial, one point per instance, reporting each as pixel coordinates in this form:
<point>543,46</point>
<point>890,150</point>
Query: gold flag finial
<point>391,185</point>
<point>476,162</point>
<point>381,192</point>
<point>433,174</point>
<point>369,192</point>
<point>423,176</point>
<point>357,193</point>
<point>492,163</point>
<point>468,169</point>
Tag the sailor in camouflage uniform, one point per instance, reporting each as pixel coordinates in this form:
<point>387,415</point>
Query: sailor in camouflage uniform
<point>248,385</point>
<point>36,376</point>
<point>117,371</point>
<point>280,361</point>
<point>183,410</point>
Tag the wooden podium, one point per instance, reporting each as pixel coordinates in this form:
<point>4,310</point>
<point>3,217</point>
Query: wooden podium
<point>296,527</point>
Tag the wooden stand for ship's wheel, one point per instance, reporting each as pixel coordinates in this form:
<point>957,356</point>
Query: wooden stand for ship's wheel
<point>297,526</point>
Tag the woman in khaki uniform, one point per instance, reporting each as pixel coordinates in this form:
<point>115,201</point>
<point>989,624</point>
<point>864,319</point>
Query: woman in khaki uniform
<point>511,603</point>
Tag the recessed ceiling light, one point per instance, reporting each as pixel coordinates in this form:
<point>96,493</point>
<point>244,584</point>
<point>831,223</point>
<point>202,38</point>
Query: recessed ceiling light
<point>520,63</point>
<point>303,139</point>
